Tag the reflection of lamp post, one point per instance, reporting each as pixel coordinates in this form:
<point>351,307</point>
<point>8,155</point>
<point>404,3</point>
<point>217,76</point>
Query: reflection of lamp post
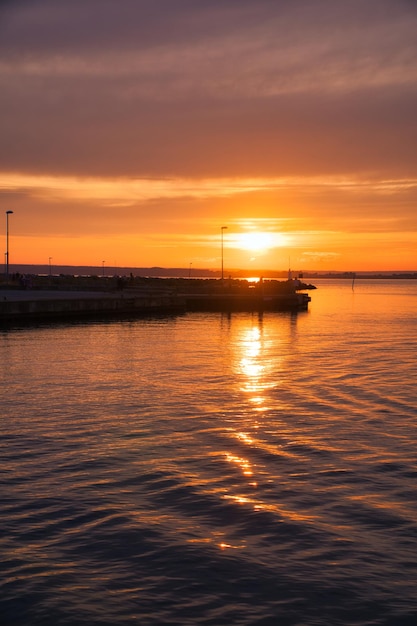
<point>223,228</point>
<point>7,244</point>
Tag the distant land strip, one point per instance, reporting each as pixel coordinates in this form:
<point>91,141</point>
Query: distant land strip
<point>180,272</point>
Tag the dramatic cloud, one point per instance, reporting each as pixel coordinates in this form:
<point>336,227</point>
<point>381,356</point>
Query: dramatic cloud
<point>204,107</point>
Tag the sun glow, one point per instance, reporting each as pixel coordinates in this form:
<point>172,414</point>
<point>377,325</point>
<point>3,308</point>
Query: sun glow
<point>255,241</point>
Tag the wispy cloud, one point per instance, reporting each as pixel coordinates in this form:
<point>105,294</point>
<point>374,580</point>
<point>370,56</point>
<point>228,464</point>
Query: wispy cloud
<point>177,114</point>
<point>131,190</point>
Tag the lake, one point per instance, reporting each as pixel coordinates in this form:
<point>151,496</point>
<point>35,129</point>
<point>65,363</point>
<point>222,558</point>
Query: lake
<point>214,469</point>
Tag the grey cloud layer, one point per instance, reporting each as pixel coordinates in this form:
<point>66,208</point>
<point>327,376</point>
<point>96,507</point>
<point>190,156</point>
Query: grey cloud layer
<point>204,88</point>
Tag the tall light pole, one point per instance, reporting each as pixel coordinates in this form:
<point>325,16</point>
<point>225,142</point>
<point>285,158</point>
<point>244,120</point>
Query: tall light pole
<point>223,228</point>
<point>7,244</point>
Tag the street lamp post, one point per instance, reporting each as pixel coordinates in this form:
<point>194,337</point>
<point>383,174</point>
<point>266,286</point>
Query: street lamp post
<point>223,228</point>
<point>7,244</point>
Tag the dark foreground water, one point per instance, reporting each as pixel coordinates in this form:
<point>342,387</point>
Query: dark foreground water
<point>213,469</point>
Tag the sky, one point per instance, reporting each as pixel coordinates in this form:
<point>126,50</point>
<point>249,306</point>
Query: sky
<point>141,133</point>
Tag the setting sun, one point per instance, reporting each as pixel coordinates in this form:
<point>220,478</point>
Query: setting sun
<point>191,145</point>
<point>258,241</point>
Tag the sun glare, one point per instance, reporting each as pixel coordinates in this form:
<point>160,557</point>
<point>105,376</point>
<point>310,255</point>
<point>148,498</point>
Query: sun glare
<point>255,241</point>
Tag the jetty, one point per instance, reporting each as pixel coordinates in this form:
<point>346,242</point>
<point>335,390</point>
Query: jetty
<point>32,306</point>
<point>242,295</point>
<point>40,299</point>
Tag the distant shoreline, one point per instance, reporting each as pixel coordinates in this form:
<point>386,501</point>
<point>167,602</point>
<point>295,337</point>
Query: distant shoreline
<point>178,272</point>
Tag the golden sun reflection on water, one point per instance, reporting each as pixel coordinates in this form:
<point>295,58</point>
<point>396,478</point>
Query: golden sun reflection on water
<point>258,364</point>
<point>244,464</point>
<point>245,438</point>
<point>282,511</point>
<point>229,546</point>
<point>253,366</point>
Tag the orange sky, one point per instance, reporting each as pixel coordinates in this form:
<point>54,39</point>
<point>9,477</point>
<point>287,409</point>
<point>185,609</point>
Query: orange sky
<point>132,136</point>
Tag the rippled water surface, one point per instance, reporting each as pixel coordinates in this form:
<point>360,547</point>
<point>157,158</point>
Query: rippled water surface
<point>213,469</point>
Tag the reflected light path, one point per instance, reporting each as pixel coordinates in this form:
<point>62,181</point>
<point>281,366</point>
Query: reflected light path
<point>244,464</point>
<point>258,362</point>
<point>253,366</point>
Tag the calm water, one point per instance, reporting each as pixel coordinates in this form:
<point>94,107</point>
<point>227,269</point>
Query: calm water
<point>213,469</point>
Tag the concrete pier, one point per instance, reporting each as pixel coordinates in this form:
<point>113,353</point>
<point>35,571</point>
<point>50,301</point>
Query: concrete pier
<point>246,302</point>
<point>32,305</point>
<point>148,296</point>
